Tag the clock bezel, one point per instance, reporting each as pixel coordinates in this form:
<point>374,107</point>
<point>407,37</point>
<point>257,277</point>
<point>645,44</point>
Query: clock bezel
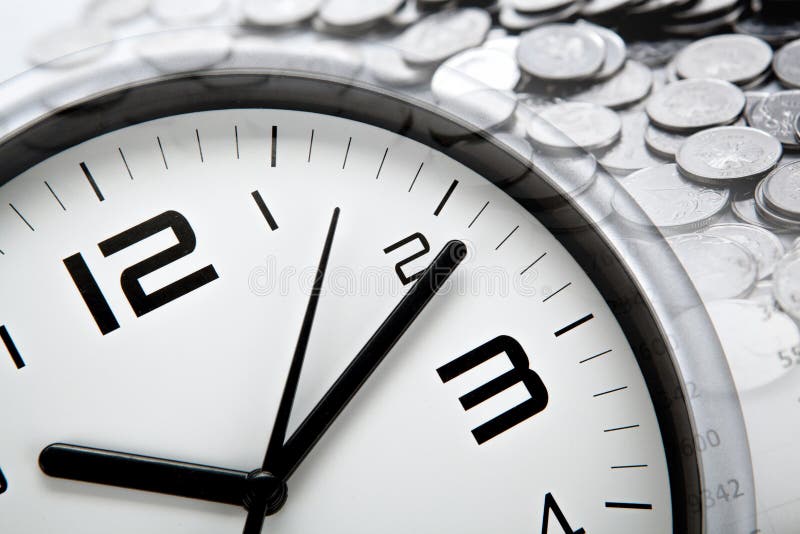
<point>478,150</point>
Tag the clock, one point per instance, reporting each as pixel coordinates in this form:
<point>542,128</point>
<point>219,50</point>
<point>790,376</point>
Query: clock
<point>240,300</point>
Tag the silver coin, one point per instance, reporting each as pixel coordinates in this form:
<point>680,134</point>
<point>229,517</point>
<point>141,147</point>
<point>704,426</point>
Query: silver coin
<point>786,283</point>
<point>575,124</point>
<point>514,21</point>
<point>765,246</point>
<point>561,52</point>
<point>484,109</point>
<point>672,203</point>
<point>695,104</point>
<point>441,35</point>
<point>356,13</point>
<point>475,69</point>
<point>185,50</point>
<point>663,143</point>
<point>574,172</point>
<point>728,154</point>
<point>171,11</point>
<point>704,25</point>
<point>776,30</point>
<point>278,13</point>
<point>752,99</point>
<point>115,11</point>
<point>594,8</point>
<point>410,13</point>
<point>782,190</point>
<point>719,268</point>
<point>539,6</point>
<point>754,336</point>
<point>743,207</point>
<point>776,115</point>
<point>734,58</point>
<point>387,66</point>
<point>628,86</point>
<point>787,64</point>
<point>616,51</point>
<point>656,53</point>
<point>768,214</point>
<point>630,153</point>
<point>652,6</point>
<point>703,8</point>
<point>763,294</point>
<point>70,46</point>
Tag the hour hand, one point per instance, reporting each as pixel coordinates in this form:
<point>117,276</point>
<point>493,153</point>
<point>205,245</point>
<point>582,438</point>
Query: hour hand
<point>144,473</point>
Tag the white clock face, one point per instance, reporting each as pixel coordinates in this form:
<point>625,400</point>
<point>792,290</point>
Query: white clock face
<point>191,366</point>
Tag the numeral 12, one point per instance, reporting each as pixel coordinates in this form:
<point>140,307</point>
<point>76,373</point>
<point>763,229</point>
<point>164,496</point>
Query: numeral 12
<point>140,301</point>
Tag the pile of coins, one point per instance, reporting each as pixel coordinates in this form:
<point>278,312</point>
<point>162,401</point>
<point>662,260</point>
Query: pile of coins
<point>693,105</point>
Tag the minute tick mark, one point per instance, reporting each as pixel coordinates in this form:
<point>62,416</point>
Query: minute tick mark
<point>236,139</point>
<point>92,181</point>
<point>383,159</point>
<point>609,391</point>
<point>595,356</point>
<point>628,466</point>
<point>415,177</point>
<point>125,162</point>
<point>21,217</point>
<point>445,198</point>
<point>55,196</point>
<point>310,146</point>
<point>163,156</point>
<point>478,215</point>
<point>347,152</point>
<point>525,270</point>
<point>557,291</point>
<point>199,145</point>
<point>621,428</point>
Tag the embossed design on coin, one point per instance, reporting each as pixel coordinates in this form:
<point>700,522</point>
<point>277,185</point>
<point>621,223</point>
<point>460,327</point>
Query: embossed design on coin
<point>561,52</point>
<point>672,202</point>
<point>718,267</point>
<point>733,58</point>
<point>776,115</point>
<point>765,246</point>
<point>728,154</point>
<point>695,104</point>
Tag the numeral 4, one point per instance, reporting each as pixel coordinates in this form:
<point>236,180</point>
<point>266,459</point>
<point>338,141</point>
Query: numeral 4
<point>550,505</point>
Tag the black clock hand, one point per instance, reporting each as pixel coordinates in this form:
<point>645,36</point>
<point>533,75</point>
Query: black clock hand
<point>370,356</point>
<point>260,502</point>
<point>144,473</point>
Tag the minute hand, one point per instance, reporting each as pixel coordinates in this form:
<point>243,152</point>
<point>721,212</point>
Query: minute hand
<point>347,385</point>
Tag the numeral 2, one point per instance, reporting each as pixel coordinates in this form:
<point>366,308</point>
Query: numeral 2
<point>521,373</point>
<point>140,301</point>
<point>550,505</point>
<point>424,249</point>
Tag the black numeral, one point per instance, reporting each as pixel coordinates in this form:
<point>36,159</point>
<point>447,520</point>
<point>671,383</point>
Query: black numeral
<point>550,505</point>
<point>424,249</point>
<point>3,483</point>
<point>140,301</point>
<point>521,373</point>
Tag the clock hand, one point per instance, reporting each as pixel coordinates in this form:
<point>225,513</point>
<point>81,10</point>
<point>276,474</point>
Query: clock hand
<point>368,359</point>
<point>145,473</point>
<point>259,505</point>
